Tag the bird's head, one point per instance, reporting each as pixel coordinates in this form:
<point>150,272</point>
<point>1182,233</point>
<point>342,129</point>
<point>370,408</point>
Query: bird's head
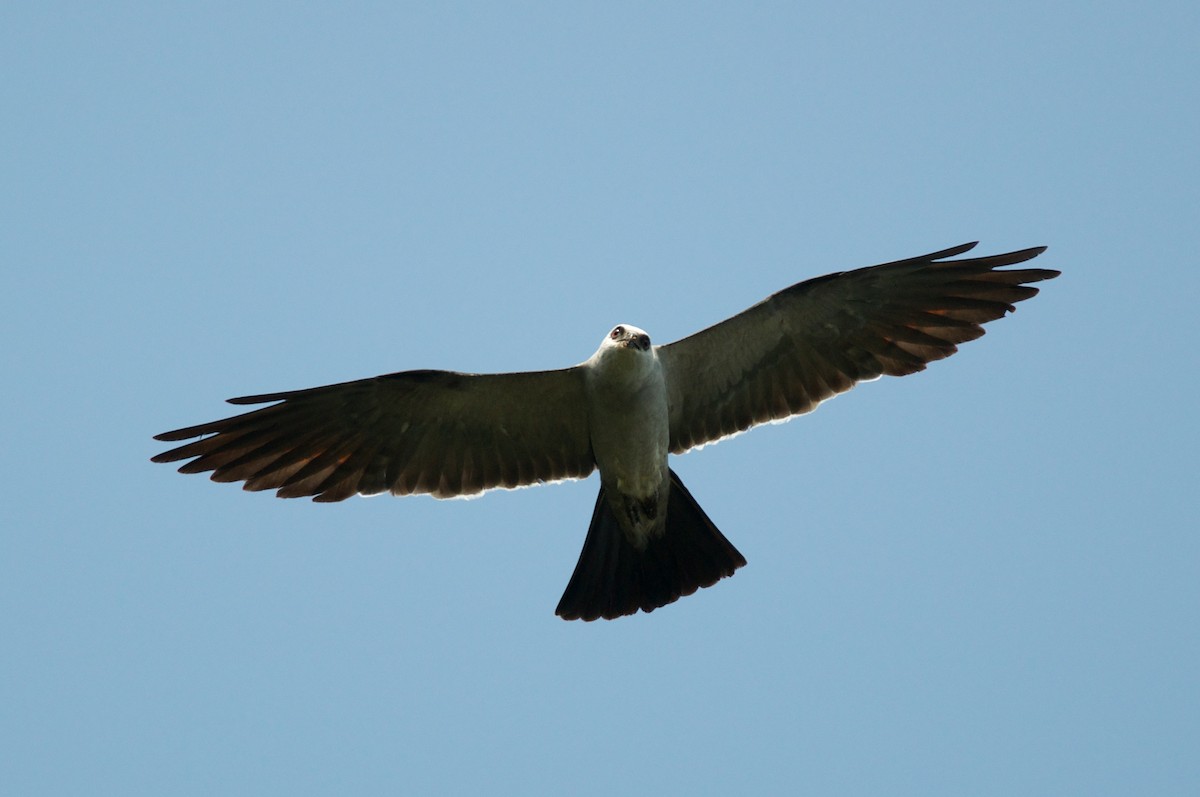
<point>626,337</point>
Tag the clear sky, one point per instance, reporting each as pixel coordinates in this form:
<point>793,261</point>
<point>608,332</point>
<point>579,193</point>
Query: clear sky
<point>983,579</point>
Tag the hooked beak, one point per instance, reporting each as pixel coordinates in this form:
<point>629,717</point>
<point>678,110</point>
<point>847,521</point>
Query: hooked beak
<point>639,342</point>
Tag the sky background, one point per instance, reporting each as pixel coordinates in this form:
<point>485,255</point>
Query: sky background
<point>983,579</point>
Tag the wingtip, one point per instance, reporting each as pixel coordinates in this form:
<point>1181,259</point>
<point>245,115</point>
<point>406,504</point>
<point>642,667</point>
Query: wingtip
<point>164,457</point>
<point>262,399</point>
<point>953,251</point>
<point>1017,256</point>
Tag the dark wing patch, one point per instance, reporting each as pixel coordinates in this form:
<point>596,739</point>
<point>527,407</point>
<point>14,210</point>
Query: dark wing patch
<point>818,338</point>
<point>436,432</point>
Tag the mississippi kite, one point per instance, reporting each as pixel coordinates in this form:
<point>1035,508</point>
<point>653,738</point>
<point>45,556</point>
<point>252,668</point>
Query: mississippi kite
<point>622,411</point>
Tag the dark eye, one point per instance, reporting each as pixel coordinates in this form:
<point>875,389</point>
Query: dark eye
<point>617,332</point>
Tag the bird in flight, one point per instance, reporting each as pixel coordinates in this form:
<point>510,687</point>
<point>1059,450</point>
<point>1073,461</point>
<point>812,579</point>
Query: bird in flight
<point>621,412</point>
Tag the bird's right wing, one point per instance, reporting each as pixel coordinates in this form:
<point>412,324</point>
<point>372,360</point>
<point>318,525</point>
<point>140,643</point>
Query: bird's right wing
<point>436,432</point>
<point>818,338</point>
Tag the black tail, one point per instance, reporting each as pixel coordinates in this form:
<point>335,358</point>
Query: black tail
<point>613,578</point>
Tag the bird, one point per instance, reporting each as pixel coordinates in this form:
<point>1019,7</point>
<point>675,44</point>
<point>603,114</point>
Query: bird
<point>623,411</point>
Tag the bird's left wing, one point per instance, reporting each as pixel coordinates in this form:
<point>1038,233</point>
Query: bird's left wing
<point>436,432</point>
<point>818,338</point>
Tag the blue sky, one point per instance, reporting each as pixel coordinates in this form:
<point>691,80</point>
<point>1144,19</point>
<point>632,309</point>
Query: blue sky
<point>982,579</point>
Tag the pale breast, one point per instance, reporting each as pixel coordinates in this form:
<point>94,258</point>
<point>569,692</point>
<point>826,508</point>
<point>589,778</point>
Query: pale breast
<point>627,402</point>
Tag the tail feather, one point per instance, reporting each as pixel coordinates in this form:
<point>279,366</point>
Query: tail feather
<point>613,578</point>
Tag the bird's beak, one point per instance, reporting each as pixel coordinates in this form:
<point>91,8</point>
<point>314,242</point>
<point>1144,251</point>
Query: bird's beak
<point>639,342</point>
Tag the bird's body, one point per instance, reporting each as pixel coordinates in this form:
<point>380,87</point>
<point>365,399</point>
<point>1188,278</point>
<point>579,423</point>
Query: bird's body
<point>627,408</point>
<point>622,412</point>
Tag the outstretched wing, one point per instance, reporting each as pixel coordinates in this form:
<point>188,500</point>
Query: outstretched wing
<point>820,337</point>
<point>435,432</point>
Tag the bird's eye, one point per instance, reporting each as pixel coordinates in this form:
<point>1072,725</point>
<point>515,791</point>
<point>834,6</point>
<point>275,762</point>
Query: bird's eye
<point>617,332</point>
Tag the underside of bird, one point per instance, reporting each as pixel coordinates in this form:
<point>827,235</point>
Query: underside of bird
<point>446,433</point>
<point>614,577</point>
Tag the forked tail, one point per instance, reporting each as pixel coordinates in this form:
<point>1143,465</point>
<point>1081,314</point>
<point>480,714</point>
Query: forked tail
<point>613,578</point>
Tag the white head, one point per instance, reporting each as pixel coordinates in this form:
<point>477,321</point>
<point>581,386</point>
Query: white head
<point>625,356</point>
<point>626,336</point>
